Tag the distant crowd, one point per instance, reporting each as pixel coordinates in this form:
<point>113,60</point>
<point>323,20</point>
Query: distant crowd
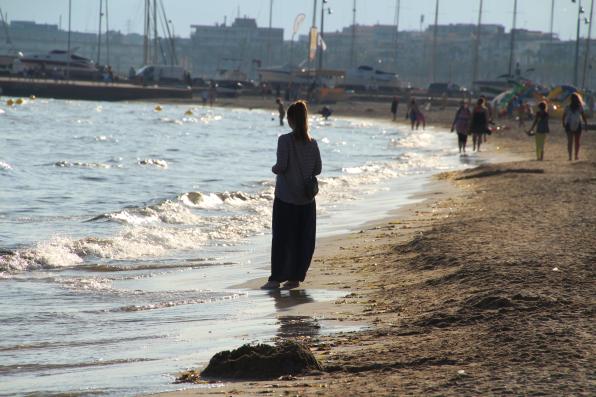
<point>478,121</point>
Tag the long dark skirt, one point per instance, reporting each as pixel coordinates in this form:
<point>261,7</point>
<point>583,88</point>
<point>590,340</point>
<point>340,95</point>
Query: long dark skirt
<point>293,242</point>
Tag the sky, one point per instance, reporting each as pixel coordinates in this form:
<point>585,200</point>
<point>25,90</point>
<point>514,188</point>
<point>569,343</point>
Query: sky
<point>127,15</point>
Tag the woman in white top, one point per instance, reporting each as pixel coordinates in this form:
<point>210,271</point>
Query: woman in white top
<point>572,122</point>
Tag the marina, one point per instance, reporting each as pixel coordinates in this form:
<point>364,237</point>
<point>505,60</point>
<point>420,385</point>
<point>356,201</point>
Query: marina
<point>87,90</point>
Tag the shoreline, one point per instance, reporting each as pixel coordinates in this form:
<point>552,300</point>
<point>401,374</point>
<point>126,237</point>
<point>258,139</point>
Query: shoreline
<point>402,258</point>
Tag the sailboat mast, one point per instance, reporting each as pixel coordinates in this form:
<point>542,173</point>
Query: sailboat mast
<point>512,45</point>
<point>397,10</point>
<point>155,44</point>
<point>99,32</point>
<point>171,35</point>
<point>146,34</point>
<point>552,19</point>
<point>477,44</point>
<point>269,33</point>
<point>107,34</point>
<point>68,45</point>
<point>353,45</point>
<point>587,57</point>
<point>435,34</point>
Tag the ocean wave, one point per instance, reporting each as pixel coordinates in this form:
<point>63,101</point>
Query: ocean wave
<point>81,164</point>
<point>233,199</point>
<point>168,211</point>
<point>127,267</point>
<point>60,344</point>
<point>21,368</point>
<point>44,255</point>
<point>208,297</point>
<point>196,219</point>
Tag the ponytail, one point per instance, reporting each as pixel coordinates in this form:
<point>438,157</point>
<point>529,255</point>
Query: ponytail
<point>298,117</point>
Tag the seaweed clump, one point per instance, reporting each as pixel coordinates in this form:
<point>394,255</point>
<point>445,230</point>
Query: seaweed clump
<point>259,361</point>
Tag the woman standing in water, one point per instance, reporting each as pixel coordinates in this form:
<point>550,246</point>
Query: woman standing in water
<point>572,122</point>
<point>479,123</point>
<point>413,113</point>
<point>294,213</point>
<point>461,124</point>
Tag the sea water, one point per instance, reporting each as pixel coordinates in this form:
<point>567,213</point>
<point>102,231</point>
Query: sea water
<point>122,229</point>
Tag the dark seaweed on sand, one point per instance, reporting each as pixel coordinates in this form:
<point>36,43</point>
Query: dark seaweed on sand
<point>257,362</point>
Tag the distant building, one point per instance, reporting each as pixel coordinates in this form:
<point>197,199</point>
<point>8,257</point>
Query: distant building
<point>242,45</point>
<point>245,46</point>
<point>125,50</point>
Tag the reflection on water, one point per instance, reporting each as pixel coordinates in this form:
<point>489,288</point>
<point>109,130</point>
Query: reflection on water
<point>285,299</point>
<point>471,159</point>
<point>294,326</point>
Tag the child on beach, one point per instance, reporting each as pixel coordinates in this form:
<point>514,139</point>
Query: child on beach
<point>572,122</point>
<point>461,124</point>
<point>521,114</point>
<point>294,213</point>
<point>541,125</point>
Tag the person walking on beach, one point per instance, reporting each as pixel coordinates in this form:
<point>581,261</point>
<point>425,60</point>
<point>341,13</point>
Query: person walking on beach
<point>489,108</point>
<point>413,113</point>
<point>541,125</point>
<point>572,122</point>
<point>479,123</point>
<point>212,93</point>
<point>294,212</point>
<point>521,114</point>
<point>394,107</point>
<point>282,111</point>
<point>461,124</point>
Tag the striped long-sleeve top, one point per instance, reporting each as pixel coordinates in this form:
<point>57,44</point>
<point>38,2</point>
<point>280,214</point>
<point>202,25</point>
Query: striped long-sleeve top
<point>289,184</point>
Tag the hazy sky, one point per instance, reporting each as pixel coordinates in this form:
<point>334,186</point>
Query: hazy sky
<point>126,15</point>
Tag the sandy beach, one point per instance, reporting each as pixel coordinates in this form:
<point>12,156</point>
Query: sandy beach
<point>484,288</point>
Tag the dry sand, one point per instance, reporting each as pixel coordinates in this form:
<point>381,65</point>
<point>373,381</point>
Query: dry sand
<point>485,288</point>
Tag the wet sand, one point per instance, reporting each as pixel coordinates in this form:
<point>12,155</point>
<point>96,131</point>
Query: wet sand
<point>485,288</point>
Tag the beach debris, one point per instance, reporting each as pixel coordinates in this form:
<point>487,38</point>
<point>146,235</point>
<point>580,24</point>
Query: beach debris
<point>155,162</point>
<point>158,108</point>
<point>9,102</point>
<point>259,361</point>
<point>188,112</point>
<point>555,269</point>
<point>32,97</point>
<point>19,101</point>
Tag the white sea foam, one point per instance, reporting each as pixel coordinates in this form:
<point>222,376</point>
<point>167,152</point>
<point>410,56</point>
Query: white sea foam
<point>81,164</point>
<point>5,166</point>
<point>155,230</point>
<point>44,255</point>
<point>86,284</point>
<point>155,162</point>
<point>171,121</point>
<point>195,219</point>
